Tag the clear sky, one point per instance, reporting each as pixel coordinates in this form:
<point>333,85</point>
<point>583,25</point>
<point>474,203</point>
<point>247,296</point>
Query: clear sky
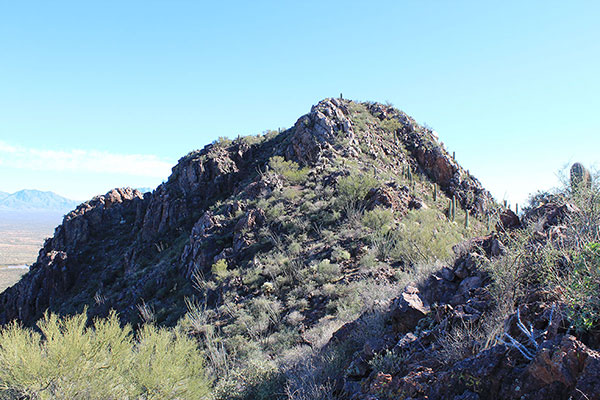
<point>100,94</point>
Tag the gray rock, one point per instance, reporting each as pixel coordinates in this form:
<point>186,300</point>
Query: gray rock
<point>408,310</point>
<point>470,283</point>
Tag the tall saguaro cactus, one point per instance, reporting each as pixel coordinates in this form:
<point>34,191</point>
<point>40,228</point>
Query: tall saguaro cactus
<point>580,178</point>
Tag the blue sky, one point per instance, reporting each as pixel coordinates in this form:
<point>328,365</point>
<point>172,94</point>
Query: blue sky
<point>95,95</point>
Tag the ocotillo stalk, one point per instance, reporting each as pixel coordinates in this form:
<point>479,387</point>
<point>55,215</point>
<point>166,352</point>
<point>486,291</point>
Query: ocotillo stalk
<point>453,207</point>
<point>435,192</point>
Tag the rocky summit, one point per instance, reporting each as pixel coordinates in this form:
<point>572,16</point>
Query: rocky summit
<point>349,257</point>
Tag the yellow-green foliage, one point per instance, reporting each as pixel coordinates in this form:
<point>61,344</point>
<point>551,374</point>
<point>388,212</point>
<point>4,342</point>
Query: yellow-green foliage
<point>220,269</point>
<point>380,219</point>
<point>352,189</point>
<point>104,361</point>
<point>290,170</point>
<point>423,236</point>
<point>391,125</point>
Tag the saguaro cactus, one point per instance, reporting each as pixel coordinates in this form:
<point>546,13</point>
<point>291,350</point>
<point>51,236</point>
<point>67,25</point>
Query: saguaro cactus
<point>453,207</point>
<point>580,178</point>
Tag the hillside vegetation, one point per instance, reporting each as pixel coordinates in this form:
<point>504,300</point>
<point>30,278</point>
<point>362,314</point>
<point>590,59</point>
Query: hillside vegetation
<point>349,256</point>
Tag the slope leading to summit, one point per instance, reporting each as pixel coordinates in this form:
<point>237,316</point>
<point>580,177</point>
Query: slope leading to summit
<point>125,248</point>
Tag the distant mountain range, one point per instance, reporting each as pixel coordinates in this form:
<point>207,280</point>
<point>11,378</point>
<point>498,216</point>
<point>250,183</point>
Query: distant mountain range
<point>34,200</point>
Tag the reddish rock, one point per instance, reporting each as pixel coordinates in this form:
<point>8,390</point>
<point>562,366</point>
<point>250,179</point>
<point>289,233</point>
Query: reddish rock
<point>562,363</point>
<point>508,221</point>
<point>380,383</point>
<point>388,197</point>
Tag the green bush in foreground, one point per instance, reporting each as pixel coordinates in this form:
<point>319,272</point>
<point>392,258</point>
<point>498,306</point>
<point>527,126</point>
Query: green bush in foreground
<point>70,360</point>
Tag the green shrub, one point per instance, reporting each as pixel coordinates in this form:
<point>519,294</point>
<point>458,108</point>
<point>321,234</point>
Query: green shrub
<point>581,288</point>
<point>69,360</point>
<point>352,190</point>
<point>327,271</point>
<point>378,219</point>
<point>388,362</point>
<point>391,125</point>
<point>289,170</point>
<point>423,236</point>
<point>219,269</point>
<point>339,254</point>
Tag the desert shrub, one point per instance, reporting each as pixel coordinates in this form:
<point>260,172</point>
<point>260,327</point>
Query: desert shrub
<point>391,125</point>
<point>220,269</point>
<point>352,190</point>
<point>326,271</point>
<point>378,219</point>
<point>388,361</point>
<point>289,170</point>
<point>423,236</point>
<point>251,140</point>
<point>222,141</point>
<point>368,262</point>
<point>70,360</point>
<point>361,117</point>
<point>464,340</point>
<point>339,254</point>
<point>581,288</point>
<point>566,264</point>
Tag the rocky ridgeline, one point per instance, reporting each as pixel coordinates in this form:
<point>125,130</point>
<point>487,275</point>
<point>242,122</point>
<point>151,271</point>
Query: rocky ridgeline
<point>124,248</point>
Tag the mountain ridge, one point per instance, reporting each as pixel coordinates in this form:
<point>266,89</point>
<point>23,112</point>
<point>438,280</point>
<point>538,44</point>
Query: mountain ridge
<point>35,200</point>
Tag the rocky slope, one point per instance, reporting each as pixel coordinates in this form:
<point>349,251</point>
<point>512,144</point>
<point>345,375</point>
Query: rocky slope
<point>124,248</point>
<point>451,337</point>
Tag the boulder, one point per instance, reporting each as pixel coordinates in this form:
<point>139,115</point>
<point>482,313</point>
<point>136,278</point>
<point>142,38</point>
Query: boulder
<point>508,221</point>
<point>408,310</point>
